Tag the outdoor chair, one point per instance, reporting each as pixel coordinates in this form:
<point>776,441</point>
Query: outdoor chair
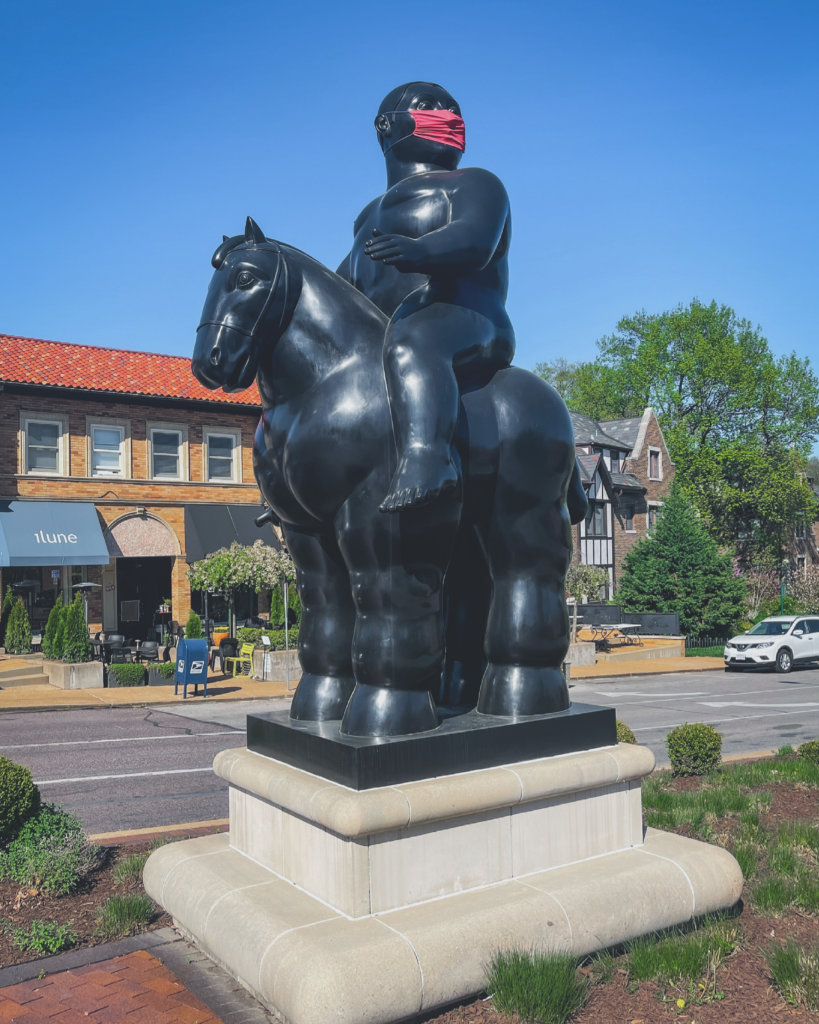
<point>119,655</point>
<point>243,662</point>
<point>149,650</point>
<point>228,648</point>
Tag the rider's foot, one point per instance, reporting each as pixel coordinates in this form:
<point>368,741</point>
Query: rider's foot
<point>421,478</point>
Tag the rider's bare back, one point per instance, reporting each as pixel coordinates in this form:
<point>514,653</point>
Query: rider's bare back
<point>431,253</point>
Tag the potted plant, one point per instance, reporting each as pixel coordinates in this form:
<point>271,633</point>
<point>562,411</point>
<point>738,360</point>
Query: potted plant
<point>68,661</point>
<point>161,673</point>
<point>127,674</point>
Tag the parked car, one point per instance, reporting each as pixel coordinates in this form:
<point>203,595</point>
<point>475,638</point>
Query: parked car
<point>780,642</point>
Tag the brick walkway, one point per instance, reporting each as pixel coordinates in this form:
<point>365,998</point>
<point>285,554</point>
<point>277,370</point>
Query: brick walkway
<point>134,989</point>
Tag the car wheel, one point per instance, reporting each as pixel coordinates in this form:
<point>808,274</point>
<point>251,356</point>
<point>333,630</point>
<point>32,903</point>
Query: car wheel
<point>784,660</point>
<point>732,668</point>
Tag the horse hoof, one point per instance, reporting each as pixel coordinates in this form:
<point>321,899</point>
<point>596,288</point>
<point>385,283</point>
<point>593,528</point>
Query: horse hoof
<point>321,698</point>
<point>377,711</point>
<point>514,691</point>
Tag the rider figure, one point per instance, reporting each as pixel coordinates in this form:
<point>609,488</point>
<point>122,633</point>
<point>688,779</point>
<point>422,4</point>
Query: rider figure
<point>431,253</point>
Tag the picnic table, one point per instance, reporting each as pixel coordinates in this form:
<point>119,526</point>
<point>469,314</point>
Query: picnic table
<point>605,634</point>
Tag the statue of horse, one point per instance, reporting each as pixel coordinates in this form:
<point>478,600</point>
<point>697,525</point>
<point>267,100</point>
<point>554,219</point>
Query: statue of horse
<point>462,599</point>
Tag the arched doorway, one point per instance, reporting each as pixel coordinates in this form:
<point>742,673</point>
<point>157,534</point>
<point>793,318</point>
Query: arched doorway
<point>138,581</point>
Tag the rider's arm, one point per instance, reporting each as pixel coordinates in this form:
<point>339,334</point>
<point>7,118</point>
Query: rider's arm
<point>479,211</point>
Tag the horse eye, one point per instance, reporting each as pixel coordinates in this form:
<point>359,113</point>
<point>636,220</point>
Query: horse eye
<point>245,279</point>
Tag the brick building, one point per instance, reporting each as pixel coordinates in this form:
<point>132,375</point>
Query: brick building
<point>626,472</point>
<point>118,468</point>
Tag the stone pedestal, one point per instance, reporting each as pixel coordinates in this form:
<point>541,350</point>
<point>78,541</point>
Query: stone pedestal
<point>371,906</point>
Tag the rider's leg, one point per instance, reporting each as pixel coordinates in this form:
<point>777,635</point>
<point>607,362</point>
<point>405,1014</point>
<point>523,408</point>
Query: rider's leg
<point>326,628</point>
<point>426,353</point>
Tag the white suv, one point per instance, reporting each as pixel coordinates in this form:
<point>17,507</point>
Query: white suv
<point>780,641</point>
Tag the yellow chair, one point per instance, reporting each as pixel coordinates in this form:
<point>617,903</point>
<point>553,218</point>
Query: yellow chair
<point>243,662</point>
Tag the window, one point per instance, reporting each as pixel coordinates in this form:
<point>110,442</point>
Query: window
<point>168,451</point>
<point>628,517</point>
<point>221,456</point>
<point>653,517</point>
<point>43,445</point>
<point>615,462</point>
<point>596,519</point>
<point>655,464</point>
<point>107,450</point>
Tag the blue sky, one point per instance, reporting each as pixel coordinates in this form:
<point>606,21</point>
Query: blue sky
<point>653,152</point>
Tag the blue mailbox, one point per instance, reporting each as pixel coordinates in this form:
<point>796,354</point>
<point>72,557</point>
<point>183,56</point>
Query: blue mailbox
<point>191,666</point>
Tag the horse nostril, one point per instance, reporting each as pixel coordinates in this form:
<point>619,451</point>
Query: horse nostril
<point>214,357</point>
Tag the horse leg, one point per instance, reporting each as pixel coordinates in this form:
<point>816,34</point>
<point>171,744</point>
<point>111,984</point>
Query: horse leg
<point>528,544</point>
<point>326,629</point>
<point>467,591</point>
<point>397,565</point>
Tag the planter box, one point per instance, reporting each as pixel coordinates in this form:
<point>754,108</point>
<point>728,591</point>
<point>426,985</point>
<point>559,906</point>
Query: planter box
<point>278,662</point>
<point>113,683</point>
<point>87,675</point>
<point>155,678</point>
<point>580,654</point>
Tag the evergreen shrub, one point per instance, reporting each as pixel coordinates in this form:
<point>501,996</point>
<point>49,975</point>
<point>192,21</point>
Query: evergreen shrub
<point>8,604</point>
<point>624,734</point>
<point>18,630</point>
<point>193,627</point>
<point>52,626</point>
<point>694,748</point>
<point>76,642</point>
<point>19,798</point>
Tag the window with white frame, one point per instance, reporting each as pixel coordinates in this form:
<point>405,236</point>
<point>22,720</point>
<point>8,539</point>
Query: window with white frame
<point>614,461</point>
<point>167,452</point>
<point>653,517</point>
<point>107,449</point>
<point>221,457</point>
<point>596,519</point>
<point>43,445</point>
<point>655,464</point>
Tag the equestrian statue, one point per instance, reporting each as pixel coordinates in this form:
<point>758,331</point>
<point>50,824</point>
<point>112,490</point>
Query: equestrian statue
<point>425,487</point>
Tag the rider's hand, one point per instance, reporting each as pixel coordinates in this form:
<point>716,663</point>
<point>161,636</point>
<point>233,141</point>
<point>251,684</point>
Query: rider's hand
<point>399,251</point>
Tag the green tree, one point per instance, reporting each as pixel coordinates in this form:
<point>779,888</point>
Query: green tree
<point>58,643</point>
<point>739,423</point>
<point>8,604</point>
<point>18,630</point>
<point>228,570</point>
<point>76,642</point>
<point>679,569</point>
<point>193,627</point>
<point>583,582</point>
<point>51,627</point>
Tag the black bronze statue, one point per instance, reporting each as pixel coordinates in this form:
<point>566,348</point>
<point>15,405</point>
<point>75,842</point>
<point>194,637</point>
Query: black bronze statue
<point>424,487</point>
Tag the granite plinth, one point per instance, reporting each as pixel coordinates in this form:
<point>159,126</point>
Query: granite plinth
<point>461,743</point>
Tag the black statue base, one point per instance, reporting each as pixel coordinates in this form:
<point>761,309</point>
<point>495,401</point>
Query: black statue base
<point>460,744</point>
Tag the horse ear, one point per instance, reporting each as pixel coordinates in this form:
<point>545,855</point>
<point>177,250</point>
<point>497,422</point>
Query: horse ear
<point>225,237</point>
<point>253,233</point>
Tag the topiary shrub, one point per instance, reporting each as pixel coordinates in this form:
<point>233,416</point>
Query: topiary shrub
<point>76,642</point>
<point>19,798</point>
<point>624,734</point>
<point>810,751</point>
<point>694,749</point>
<point>18,630</point>
<point>193,627</point>
<point>51,627</point>
<point>8,604</point>
<point>126,674</point>
<point>58,643</point>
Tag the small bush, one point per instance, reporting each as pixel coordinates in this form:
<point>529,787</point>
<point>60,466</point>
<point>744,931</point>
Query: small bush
<point>19,798</point>
<point>694,749</point>
<point>18,630</point>
<point>51,628</point>
<point>541,987</point>
<point>50,852</point>
<point>248,635</point>
<point>44,938</point>
<point>8,604</point>
<point>76,642</point>
<point>125,915</point>
<point>810,751</point>
<point>58,643</point>
<point>624,734</point>
<point>127,674</point>
<point>166,669</point>
<point>129,869</point>
<point>193,627</point>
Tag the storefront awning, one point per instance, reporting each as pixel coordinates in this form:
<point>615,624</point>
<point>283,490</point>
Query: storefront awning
<point>210,527</point>
<point>51,533</point>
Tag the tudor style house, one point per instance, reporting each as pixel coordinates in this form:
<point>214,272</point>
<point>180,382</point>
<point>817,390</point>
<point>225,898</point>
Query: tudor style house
<point>626,472</point>
<point>118,469</point>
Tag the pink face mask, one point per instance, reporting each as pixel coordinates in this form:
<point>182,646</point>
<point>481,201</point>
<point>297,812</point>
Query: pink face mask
<point>436,125</point>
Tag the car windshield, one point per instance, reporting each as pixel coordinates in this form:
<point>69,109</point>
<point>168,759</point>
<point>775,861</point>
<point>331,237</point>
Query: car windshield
<point>770,629</point>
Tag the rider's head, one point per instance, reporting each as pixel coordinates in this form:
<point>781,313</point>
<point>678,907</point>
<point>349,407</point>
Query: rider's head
<point>420,122</point>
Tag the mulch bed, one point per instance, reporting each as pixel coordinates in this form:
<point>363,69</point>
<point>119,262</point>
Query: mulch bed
<point>744,981</point>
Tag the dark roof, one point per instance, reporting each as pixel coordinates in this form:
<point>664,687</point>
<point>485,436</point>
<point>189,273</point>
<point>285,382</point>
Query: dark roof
<point>626,482</point>
<point>110,370</point>
<point>589,431</point>
<point>625,431</point>
<point>588,464</point>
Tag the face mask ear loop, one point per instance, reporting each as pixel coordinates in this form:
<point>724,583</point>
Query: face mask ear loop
<point>392,141</point>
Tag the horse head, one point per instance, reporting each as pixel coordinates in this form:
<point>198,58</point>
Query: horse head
<point>246,301</point>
